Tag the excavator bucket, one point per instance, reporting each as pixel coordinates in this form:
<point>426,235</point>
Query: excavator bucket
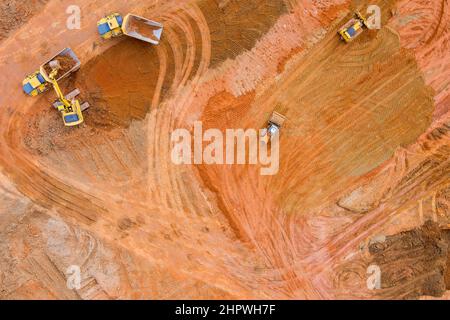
<point>142,28</point>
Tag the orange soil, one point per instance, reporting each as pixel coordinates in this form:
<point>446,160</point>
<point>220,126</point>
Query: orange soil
<point>65,62</point>
<point>428,247</point>
<point>364,154</point>
<point>424,27</point>
<point>15,13</point>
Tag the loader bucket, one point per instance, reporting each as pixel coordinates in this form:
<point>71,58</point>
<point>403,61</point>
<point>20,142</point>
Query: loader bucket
<point>142,28</point>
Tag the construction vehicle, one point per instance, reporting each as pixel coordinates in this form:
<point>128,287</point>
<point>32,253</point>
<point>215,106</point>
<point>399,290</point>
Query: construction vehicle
<point>274,125</point>
<point>131,25</point>
<point>55,69</point>
<point>110,26</point>
<point>34,84</point>
<point>70,108</point>
<point>39,82</point>
<point>353,28</point>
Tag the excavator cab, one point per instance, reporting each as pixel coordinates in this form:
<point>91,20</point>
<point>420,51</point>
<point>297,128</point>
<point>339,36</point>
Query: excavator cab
<point>110,26</point>
<point>71,115</point>
<point>34,84</point>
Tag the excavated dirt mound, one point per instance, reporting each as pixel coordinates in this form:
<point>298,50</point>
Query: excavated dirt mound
<point>416,259</point>
<point>120,83</point>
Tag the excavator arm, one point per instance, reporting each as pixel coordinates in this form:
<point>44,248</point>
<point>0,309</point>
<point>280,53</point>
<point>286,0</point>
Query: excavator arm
<point>58,91</point>
<point>70,110</point>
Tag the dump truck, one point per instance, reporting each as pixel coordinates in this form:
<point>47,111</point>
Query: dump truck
<point>131,25</point>
<point>274,125</point>
<point>353,28</point>
<point>39,82</point>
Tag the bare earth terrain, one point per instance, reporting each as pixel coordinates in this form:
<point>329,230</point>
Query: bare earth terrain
<point>364,177</point>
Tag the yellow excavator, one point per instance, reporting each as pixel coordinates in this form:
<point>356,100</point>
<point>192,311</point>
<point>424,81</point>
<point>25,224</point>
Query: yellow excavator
<point>60,66</point>
<point>69,107</point>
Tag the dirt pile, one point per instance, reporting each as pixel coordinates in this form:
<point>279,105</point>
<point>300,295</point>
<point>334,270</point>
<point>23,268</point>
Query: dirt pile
<point>120,83</point>
<point>417,258</point>
<point>65,64</point>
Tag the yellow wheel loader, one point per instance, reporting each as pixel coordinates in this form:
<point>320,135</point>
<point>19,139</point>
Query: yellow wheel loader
<point>353,28</point>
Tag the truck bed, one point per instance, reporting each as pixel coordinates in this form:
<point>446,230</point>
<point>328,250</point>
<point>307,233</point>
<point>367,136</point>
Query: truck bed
<point>142,28</point>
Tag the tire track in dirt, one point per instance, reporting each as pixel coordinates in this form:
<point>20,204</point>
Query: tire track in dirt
<point>62,206</point>
<point>339,124</point>
<point>381,215</point>
<point>175,191</point>
<point>271,99</point>
<point>424,26</point>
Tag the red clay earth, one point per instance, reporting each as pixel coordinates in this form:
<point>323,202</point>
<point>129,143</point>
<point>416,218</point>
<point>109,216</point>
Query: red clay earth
<point>364,154</point>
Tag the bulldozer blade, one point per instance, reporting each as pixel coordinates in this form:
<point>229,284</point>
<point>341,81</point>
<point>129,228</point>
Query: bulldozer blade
<point>277,119</point>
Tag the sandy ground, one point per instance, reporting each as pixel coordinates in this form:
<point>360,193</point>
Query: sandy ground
<point>364,176</point>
